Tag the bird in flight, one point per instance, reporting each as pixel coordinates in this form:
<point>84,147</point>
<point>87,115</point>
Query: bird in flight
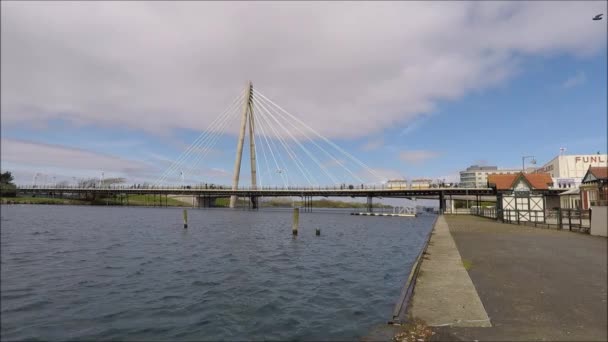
<point>598,17</point>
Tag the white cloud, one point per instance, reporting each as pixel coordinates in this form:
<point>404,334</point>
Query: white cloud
<point>37,154</point>
<point>575,80</point>
<point>417,156</point>
<point>26,157</point>
<point>348,69</point>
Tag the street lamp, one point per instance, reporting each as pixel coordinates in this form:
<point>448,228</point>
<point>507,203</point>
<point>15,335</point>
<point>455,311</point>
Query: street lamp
<point>533,161</point>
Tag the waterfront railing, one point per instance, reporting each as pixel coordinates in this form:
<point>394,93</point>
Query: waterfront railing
<point>571,219</point>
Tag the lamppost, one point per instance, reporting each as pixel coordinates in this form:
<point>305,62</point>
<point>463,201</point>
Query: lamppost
<point>523,167</point>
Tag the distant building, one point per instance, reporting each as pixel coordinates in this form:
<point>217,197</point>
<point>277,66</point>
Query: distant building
<point>570,199</point>
<point>519,197</point>
<point>476,176</point>
<point>568,171</point>
<point>594,187</point>
<point>397,184</point>
<point>422,183</point>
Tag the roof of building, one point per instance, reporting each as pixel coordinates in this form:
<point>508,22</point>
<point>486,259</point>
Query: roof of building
<point>598,173</point>
<point>481,167</point>
<point>573,191</point>
<point>537,181</point>
<point>422,180</point>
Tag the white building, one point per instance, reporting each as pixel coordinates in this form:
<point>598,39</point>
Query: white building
<point>422,183</point>
<point>568,171</point>
<point>397,184</point>
<point>476,176</point>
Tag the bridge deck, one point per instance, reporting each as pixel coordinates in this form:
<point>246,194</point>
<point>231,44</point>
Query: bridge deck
<point>325,192</point>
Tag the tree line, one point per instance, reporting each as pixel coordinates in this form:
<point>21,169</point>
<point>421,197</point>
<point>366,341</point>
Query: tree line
<point>7,187</point>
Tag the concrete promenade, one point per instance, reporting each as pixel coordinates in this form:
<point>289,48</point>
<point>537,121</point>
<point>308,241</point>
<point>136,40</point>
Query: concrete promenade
<point>444,294</point>
<point>535,284</point>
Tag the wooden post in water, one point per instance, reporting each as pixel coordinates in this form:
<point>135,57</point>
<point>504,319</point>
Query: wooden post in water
<point>318,231</point>
<point>185,219</point>
<point>296,221</point>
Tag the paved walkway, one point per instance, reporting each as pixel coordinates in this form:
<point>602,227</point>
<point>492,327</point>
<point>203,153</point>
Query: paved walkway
<point>444,294</point>
<point>536,284</point>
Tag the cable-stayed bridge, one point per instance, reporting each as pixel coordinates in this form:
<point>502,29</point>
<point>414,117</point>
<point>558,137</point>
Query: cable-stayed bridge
<point>286,157</point>
<point>283,150</point>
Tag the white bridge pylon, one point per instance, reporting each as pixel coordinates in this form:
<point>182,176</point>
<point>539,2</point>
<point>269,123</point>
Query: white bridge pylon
<point>283,150</point>
<point>246,119</point>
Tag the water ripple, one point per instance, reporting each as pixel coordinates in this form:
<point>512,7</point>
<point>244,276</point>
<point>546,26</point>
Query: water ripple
<point>97,273</point>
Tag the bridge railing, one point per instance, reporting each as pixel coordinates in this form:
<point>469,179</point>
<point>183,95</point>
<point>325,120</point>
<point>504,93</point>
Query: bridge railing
<point>227,187</point>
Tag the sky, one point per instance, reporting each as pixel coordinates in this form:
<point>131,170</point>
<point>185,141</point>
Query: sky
<point>406,89</point>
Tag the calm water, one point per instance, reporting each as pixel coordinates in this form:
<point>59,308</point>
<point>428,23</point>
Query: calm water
<point>134,273</point>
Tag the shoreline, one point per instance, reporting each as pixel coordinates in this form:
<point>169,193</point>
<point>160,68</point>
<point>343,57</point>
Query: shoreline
<point>143,201</point>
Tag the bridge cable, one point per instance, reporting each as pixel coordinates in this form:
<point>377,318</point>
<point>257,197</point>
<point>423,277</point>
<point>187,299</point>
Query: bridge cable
<point>185,154</point>
<point>339,149</point>
<point>199,140</point>
<point>337,161</point>
<point>368,169</point>
<point>321,166</point>
<point>265,136</point>
<point>288,149</point>
<point>274,137</point>
<point>282,170</point>
<point>213,140</point>
<point>259,145</point>
<point>306,151</point>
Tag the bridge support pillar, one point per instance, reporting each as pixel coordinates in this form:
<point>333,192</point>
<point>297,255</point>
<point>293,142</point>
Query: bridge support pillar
<point>441,203</point>
<point>204,201</point>
<point>254,203</point>
<point>370,205</point>
<point>451,205</point>
<point>307,203</point>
